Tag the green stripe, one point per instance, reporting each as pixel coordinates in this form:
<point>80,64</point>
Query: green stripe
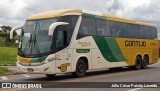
<point>40,59</point>
<point>93,16</point>
<point>109,49</point>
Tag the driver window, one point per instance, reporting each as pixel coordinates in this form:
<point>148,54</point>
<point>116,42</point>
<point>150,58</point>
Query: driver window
<point>61,39</point>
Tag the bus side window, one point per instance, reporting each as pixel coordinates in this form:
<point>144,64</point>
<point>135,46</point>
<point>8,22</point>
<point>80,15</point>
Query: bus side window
<point>103,27</point>
<point>113,31</point>
<point>154,32</point>
<point>147,32</point>
<point>128,30</point>
<point>139,32</point>
<point>108,28</point>
<point>72,20</point>
<point>87,27</point>
<point>85,30</point>
<point>117,29</point>
<point>100,25</point>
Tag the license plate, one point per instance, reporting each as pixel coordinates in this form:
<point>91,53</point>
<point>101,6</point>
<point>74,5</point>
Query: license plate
<point>30,69</point>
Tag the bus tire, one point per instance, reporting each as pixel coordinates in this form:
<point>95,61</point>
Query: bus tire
<point>145,62</point>
<point>80,68</point>
<point>50,75</point>
<point>138,63</point>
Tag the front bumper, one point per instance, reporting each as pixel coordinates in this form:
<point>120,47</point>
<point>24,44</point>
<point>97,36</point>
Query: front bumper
<point>48,68</point>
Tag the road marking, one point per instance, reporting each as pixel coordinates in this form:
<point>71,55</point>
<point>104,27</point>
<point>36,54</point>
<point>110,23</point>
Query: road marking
<point>21,77</point>
<point>26,75</point>
<point>135,89</point>
<point>4,78</point>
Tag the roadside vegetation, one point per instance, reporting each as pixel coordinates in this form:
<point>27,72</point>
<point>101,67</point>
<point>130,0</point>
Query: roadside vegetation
<point>8,48</point>
<point>8,55</point>
<point>3,70</point>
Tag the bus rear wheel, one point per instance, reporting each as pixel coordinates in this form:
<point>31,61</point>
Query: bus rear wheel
<point>138,63</point>
<point>145,62</point>
<point>80,68</point>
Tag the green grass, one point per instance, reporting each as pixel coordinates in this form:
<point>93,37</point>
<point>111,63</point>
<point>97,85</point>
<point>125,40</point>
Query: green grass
<point>2,45</point>
<point>8,55</point>
<point>3,69</point>
<point>8,44</point>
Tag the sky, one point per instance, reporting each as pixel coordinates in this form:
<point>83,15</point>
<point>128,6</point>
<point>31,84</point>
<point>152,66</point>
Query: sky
<point>15,12</point>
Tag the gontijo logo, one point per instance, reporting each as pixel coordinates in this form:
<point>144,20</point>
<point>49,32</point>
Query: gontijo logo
<point>135,43</point>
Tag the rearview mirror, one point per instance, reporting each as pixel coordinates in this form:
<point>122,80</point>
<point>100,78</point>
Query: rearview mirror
<point>54,25</point>
<point>14,29</point>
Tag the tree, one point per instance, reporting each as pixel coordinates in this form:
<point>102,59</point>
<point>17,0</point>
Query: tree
<point>6,28</point>
<point>5,34</point>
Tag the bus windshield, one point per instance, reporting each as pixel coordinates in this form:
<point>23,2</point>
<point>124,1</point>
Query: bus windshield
<point>35,42</point>
<point>34,38</point>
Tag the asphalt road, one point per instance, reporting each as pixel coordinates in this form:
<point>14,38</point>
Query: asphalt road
<point>152,74</point>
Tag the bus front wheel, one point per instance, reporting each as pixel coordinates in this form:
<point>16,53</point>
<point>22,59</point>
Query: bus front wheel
<point>145,62</point>
<point>80,68</point>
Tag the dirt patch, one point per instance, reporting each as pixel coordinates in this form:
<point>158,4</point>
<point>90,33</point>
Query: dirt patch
<point>11,72</point>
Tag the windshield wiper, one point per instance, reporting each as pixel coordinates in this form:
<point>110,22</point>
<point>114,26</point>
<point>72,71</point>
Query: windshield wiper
<point>36,44</point>
<point>31,44</point>
<point>28,44</point>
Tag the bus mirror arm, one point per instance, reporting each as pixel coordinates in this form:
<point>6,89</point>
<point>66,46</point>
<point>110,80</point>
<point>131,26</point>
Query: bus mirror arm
<point>14,29</point>
<point>54,25</point>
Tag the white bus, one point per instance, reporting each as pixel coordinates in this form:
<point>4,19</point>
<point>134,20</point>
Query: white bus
<point>76,40</point>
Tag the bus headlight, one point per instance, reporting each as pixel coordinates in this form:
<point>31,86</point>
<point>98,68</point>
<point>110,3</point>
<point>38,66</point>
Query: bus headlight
<point>48,60</point>
<point>18,61</point>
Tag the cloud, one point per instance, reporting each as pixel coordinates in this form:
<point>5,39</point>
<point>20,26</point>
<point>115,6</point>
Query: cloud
<point>14,12</point>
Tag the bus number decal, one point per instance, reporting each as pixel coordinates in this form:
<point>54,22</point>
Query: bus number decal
<point>82,50</point>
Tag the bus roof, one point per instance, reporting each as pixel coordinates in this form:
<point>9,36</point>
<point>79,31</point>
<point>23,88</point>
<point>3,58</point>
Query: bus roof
<point>57,13</point>
<point>120,19</point>
<point>51,14</point>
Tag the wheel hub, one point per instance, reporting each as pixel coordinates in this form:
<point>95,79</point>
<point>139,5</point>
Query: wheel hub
<point>81,68</point>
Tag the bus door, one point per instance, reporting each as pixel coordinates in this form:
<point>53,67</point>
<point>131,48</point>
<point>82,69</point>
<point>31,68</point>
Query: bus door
<point>62,58</point>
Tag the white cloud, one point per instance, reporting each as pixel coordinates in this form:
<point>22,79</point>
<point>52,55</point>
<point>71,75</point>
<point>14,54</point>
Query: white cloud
<point>135,3</point>
<point>14,12</point>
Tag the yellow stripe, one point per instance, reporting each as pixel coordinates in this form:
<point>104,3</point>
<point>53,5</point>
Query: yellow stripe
<point>21,59</point>
<point>120,19</point>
